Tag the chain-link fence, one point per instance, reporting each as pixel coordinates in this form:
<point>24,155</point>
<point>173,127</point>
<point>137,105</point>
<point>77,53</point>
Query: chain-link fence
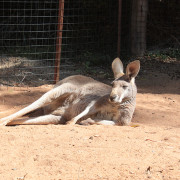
<point>34,34</point>
<point>28,38</point>
<point>163,25</point>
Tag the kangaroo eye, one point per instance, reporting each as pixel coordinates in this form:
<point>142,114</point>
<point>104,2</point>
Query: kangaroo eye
<point>124,87</point>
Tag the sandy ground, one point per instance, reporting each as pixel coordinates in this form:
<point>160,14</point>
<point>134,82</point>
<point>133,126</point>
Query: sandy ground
<point>148,149</point>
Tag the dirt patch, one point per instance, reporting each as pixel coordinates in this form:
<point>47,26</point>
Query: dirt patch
<point>148,149</point>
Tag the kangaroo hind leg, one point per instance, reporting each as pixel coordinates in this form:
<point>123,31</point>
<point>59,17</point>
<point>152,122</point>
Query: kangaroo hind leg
<point>47,98</point>
<point>41,120</point>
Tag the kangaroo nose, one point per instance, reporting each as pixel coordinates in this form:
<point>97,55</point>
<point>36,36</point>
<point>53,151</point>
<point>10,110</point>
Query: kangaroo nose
<point>113,97</point>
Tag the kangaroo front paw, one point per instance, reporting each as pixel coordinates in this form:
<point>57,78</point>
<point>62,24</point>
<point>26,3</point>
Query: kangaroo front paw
<point>87,122</point>
<point>70,123</point>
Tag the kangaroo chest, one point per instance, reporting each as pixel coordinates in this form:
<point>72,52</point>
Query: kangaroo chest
<point>107,113</point>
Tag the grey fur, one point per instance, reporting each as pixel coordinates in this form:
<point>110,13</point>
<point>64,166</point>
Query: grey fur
<point>81,99</point>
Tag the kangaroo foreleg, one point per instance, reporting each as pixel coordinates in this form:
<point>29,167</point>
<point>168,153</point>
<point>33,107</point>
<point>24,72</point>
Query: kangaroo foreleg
<point>89,110</point>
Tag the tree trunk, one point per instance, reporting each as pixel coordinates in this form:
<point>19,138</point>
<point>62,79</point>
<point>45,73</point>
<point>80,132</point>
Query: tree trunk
<point>138,27</point>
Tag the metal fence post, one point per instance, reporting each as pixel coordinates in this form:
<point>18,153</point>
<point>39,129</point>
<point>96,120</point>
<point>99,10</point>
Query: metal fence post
<point>59,41</point>
<point>119,28</point>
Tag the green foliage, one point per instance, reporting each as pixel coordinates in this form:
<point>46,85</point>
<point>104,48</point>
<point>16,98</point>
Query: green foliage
<point>165,54</point>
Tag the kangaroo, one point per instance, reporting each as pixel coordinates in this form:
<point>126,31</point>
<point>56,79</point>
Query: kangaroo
<point>83,100</point>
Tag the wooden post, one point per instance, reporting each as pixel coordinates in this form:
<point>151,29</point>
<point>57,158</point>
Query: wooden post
<point>59,41</point>
<point>138,27</point>
<point>119,28</point>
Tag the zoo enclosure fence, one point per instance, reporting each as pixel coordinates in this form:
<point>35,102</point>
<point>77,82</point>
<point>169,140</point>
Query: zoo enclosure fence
<point>34,34</point>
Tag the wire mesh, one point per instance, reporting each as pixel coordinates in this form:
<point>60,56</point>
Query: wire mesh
<point>29,37</point>
<point>89,30</point>
<point>163,27</point>
<point>29,32</point>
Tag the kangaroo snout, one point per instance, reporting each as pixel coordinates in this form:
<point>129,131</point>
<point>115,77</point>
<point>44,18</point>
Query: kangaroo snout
<point>113,97</point>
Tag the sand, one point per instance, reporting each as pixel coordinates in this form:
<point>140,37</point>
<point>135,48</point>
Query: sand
<point>148,149</point>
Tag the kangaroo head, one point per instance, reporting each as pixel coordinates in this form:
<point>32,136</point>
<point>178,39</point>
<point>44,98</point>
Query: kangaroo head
<point>123,87</point>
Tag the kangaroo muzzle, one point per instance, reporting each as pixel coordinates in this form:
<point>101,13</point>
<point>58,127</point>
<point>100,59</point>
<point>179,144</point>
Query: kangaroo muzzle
<point>113,98</point>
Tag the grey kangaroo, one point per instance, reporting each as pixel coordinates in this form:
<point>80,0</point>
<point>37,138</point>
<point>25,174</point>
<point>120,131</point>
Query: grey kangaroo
<point>83,100</point>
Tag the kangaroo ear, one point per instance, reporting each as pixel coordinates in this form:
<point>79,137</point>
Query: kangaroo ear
<point>133,69</point>
<point>117,67</point>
